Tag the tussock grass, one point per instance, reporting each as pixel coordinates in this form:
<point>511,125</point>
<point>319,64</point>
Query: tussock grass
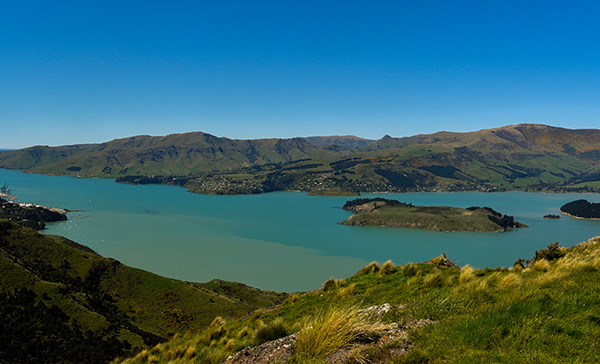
<point>467,273</point>
<point>388,268</point>
<point>372,267</point>
<point>541,265</point>
<point>409,269</point>
<point>270,331</point>
<point>543,313</point>
<point>509,280</point>
<point>329,330</point>
<point>435,279</point>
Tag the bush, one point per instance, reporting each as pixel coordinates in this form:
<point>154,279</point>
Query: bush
<point>550,253</point>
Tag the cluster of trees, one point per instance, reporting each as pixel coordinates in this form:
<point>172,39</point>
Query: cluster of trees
<point>582,208</point>
<point>504,221</point>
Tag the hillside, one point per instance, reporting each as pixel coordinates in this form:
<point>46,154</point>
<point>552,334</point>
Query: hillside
<point>61,302</point>
<point>392,213</point>
<point>518,157</point>
<point>543,311</point>
<point>168,155</point>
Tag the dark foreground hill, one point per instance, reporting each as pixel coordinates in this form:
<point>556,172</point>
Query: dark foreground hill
<point>62,303</point>
<point>518,157</point>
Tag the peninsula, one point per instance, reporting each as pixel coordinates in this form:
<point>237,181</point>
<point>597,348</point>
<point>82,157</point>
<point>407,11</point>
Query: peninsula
<point>30,215</point>
<point>392,213</point>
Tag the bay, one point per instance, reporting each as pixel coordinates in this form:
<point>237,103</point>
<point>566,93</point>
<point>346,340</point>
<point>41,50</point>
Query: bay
<point>284,241</point>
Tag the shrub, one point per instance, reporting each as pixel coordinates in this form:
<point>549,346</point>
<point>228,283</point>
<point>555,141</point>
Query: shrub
<point>550,253</point>
<point>272,331</point>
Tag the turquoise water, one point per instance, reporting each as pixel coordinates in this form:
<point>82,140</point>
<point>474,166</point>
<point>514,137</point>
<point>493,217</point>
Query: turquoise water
<point>285,241</point>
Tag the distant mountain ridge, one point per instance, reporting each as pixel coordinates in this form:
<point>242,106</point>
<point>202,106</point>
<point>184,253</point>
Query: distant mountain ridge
<point>514,157</point>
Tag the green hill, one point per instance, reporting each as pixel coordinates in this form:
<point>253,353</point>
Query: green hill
<point>545,311</point>
<point>61,302</point>
<point>168,155</point>
<point>518,157</point>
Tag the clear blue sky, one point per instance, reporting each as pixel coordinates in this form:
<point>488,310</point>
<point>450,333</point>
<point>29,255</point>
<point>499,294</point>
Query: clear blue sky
<point>91,71</point>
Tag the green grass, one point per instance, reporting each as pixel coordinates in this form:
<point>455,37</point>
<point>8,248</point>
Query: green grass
<point>548,312</point>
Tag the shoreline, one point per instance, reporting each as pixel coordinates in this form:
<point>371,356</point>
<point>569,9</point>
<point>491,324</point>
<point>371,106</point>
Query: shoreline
<point>8,196</point>
<point>13,200</point>
<point>579,217</point>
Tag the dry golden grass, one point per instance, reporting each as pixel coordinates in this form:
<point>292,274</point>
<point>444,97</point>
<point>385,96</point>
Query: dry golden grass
<point>541,265</point>
<point>510,280</point>
<point>330,330</point>
<point>388,268</point>
<point>467,273</point>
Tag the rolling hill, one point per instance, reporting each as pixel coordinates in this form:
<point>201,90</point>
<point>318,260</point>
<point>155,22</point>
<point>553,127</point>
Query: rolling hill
<point>516,157</point>
<point>61,302</point>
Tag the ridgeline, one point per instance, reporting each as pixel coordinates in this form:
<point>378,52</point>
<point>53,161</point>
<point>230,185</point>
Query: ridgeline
<point>526,157</point>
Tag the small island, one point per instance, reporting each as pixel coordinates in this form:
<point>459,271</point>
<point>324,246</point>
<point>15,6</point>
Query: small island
<point>393,213</point>
<point>551,217</point>
<point>581,209</point>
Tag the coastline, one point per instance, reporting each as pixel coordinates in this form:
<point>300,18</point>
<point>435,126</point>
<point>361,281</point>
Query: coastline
<point>579,217</point>
<point>8,196</point>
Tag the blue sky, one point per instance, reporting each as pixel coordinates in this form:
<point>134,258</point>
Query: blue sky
<point>91,71</point>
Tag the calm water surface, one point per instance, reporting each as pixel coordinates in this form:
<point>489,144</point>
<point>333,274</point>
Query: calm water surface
<point>284,241</point>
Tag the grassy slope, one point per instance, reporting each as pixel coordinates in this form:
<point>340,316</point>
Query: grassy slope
<point>439,218</point>
<point>547,313</point>
<point>103,294</point>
